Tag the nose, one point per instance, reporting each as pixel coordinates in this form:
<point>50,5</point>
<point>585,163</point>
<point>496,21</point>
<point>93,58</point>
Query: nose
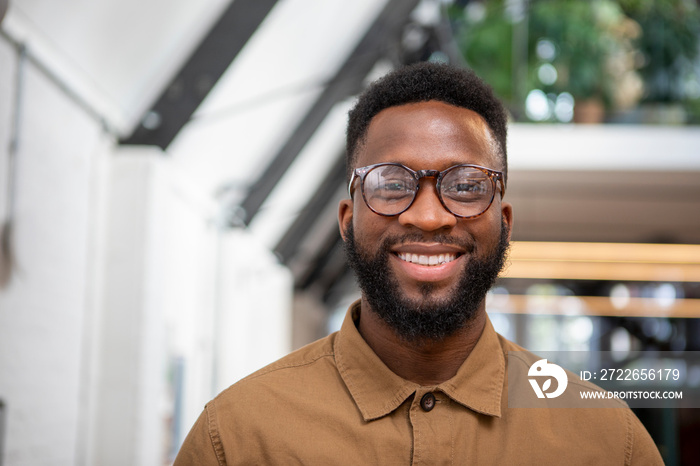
<point>427,212</point>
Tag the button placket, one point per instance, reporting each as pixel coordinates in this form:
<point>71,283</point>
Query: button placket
<point>433,433</point>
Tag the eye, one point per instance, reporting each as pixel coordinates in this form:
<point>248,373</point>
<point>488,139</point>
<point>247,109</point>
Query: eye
<point>393,189</point>
<point>394,185</point>
<point>466,190</point>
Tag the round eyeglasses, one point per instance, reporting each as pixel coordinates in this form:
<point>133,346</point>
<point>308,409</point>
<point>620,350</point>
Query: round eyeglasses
<point>389,189</point>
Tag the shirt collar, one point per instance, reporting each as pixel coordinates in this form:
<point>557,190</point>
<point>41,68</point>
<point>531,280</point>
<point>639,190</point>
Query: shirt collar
<point>377,391</point>
<point>479,383</point>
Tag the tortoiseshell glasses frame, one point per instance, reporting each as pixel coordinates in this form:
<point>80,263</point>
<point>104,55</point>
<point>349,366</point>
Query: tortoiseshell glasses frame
<point>397,194</point>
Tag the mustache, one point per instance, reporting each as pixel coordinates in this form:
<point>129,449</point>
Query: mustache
<point>465,243</point>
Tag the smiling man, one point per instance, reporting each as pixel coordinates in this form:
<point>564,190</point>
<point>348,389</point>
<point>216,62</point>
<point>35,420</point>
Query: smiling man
<point>417,374</point>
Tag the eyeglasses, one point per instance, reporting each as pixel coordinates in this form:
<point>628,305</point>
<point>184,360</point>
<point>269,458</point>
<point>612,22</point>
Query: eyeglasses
<point>389,189</point>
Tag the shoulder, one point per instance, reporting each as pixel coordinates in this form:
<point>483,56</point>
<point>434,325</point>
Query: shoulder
<point>244,420</point>
<point>285,386</point>
<point>272,409</point>
<point>313,360</point>
<point>305,356</point>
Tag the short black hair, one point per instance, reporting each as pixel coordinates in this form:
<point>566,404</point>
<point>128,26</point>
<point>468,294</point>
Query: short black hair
<point>422,82</point>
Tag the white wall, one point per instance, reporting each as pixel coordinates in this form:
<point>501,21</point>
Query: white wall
<point>251,330</point>
<point>43,311</point>
<point>125,280</point>
<point>126,376</point>
<point>181,296</point>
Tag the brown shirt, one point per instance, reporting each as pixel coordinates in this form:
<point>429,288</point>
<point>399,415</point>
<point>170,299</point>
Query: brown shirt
<point>335,402</point>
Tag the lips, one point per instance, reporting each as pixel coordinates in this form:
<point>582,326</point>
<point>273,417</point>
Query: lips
<point>428,262</point>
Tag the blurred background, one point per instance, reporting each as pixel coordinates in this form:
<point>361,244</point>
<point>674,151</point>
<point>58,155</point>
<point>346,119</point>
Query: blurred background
<point>170,173</point>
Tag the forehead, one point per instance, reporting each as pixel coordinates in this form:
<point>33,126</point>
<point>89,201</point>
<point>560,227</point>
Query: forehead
<point>432,135</point>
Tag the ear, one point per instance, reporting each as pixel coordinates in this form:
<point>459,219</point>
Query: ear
<point>344,216</point>
<point>507,215</point>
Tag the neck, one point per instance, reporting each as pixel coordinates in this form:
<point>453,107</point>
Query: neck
<point>425,362</point>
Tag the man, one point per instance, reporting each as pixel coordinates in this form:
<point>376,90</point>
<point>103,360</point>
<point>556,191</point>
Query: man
<point>417,374</point>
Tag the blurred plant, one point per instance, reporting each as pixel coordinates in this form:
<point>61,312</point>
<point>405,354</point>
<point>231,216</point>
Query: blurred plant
<point>585,45</point>
<point>553,51</point>
<point>669,47</point>
<point>485,35</point>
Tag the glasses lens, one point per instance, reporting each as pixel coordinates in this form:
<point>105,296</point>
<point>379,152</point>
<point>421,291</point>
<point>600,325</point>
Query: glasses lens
<point>466,191</point>
<point>389,189</point>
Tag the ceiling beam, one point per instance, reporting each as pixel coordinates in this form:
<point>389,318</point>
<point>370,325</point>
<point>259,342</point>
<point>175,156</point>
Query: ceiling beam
<point>347,82</point>
<point>288,246</point>
<point>197,77</point>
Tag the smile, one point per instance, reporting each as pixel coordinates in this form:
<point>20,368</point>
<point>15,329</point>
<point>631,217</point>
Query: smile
<point>429,260</point>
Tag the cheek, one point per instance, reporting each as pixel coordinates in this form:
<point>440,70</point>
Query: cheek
<point>485,231</point>
<point>367,230</point>
<point>372,231</point>
<point>367,222</point>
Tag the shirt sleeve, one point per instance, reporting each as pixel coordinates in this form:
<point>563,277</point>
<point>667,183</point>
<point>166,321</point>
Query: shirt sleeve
<point>202,446</point>
<point>644,450</point>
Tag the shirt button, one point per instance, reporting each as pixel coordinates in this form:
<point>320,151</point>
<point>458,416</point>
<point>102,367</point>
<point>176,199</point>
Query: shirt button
<point>427,402</point>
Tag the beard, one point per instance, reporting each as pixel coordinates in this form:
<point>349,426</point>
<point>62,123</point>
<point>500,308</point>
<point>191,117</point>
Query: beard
<point>430,318</point>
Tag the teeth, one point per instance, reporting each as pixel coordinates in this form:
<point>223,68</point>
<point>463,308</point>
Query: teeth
<point>427,260</point>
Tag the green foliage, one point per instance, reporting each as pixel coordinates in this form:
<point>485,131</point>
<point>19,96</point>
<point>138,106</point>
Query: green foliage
<point>692,108</point>
<point>585,33</point>
<point>669,44</point>
<point>604,49</point>
<point>487,46</point>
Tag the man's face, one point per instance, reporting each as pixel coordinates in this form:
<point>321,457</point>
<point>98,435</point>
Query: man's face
<point>382,250</point>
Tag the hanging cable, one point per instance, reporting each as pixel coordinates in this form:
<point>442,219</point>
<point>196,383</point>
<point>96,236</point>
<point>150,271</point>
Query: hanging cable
<point>62,85</point>
<point>7,255</point>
